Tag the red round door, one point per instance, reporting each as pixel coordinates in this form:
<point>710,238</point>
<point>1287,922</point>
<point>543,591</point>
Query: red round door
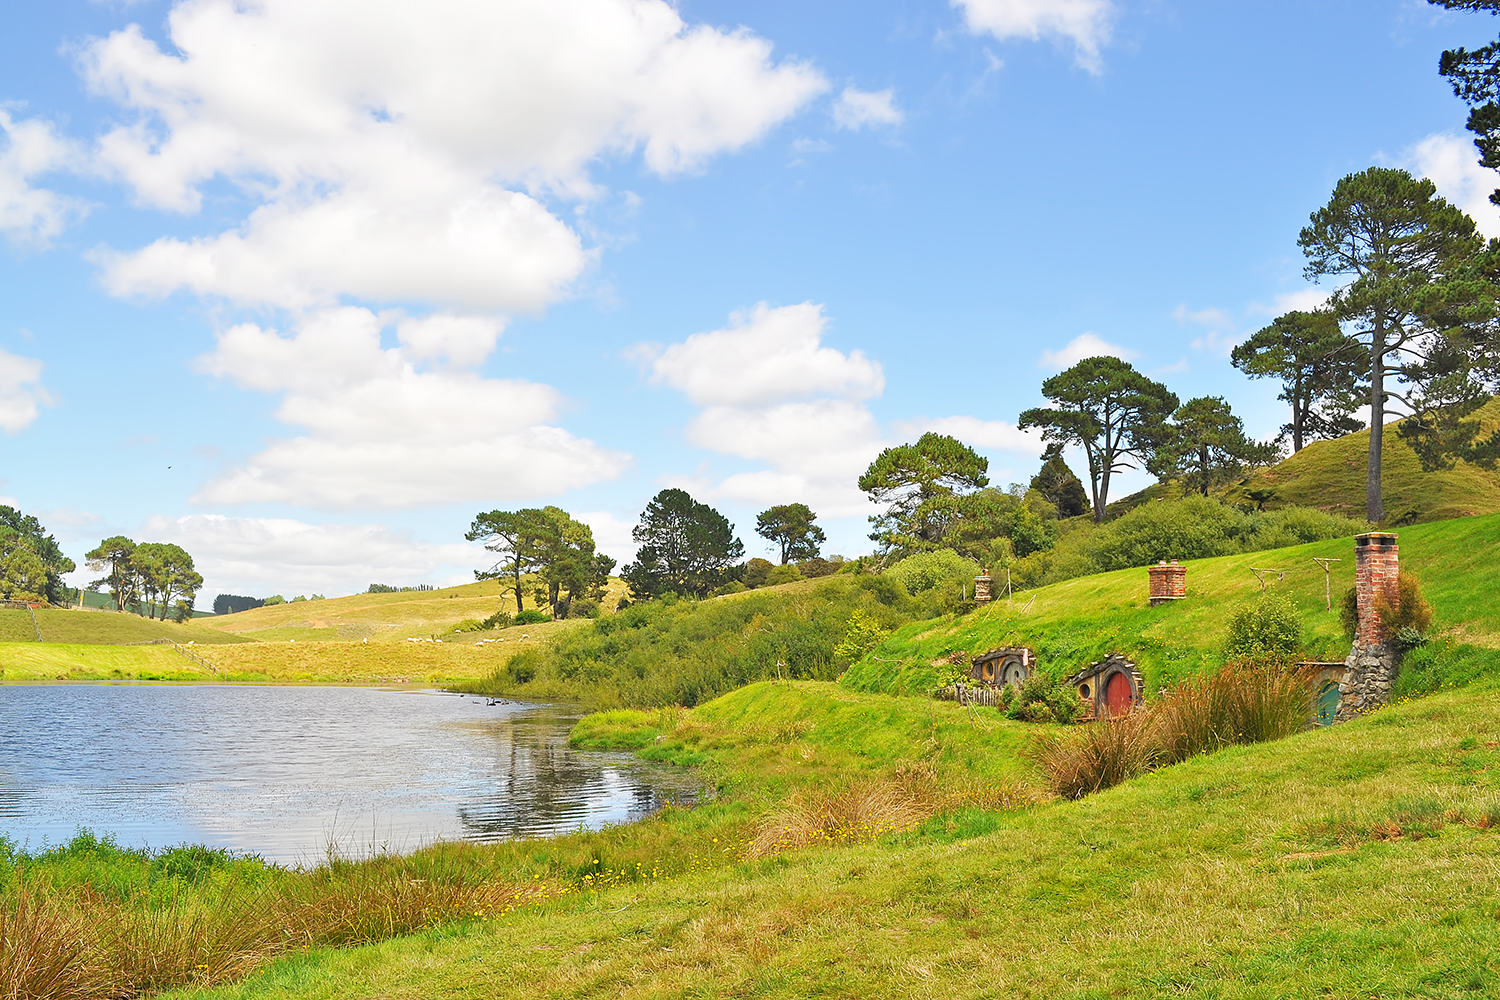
<point>1117,694</point>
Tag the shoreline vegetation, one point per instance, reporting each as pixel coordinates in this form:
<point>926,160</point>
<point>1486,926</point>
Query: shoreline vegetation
<point>869,829</point>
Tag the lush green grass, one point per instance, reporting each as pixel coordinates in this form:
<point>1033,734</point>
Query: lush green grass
<point>1078,622</point>
<point>1355,861</point>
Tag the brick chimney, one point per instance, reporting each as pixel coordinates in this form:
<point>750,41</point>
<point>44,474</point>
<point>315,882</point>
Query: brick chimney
<point>1168,582</point>
<point>982,594</point>
<point>1376,565</point>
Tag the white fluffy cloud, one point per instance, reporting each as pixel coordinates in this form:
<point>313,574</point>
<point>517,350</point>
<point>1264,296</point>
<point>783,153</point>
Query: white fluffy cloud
<point>31,148</point>
<point>460,243</point>
<point>856,109</point>
<point>771,393</point>
<point>21,391</point>
<point>260,556</point>
<point>1452,163</point>
<point>388,142</point>
<point>1085,23</point>
<point>1085,345</point>
<point>986,435</point>
<point>384,433</point>
<point>766,355</point>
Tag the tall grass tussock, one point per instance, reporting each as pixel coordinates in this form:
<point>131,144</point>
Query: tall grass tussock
<point>1243,702</point>
<point>91,919</point>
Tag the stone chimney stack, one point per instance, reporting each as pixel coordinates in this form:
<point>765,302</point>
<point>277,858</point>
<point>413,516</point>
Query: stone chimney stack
<point>1376,566</point>
<point>1168,582</point>
<point>982,593</point>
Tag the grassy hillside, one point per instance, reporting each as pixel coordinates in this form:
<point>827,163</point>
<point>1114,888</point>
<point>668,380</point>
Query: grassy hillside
<point>1330,475</point>
<point>74,625</point>
<point>1079,621</point>
<point>1355,861</point>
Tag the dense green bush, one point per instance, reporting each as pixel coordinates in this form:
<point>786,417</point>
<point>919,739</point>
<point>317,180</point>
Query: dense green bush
<point>942,570</point>
<point>1042,698</point>
<point>1269,630</point>
<point>531,616</point>
<point>1194,527</point>
<point>783,574</point>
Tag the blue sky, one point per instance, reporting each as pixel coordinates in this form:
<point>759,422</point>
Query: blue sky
<point>304,285</point>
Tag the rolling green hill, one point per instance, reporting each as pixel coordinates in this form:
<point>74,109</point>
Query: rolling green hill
<point>1330,475</point>
<point>1079,621</point>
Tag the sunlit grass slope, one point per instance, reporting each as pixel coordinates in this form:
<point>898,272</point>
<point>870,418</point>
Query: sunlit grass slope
<point>1079,621</point>
<point>378,617</point>
<point>105,627</point>
<point>1354,861</point>
<point>1331,475</point>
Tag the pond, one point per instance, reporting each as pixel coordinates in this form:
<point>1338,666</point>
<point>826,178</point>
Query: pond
<point>287,772</point>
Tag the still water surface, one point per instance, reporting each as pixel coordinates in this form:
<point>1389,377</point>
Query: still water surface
<point>287,771</point>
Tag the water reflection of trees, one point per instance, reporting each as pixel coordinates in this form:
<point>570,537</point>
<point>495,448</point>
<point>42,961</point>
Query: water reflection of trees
<point>544,787</point>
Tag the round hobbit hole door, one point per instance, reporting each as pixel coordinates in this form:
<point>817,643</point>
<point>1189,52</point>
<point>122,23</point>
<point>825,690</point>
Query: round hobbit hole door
<point>1328,702</point>
<point>1117,694</point>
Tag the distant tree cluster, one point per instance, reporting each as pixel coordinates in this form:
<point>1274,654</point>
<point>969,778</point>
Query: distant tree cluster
<point>229,604</point>
<point>546,551</point>
<point>31,564</point>
<point>155,579</point>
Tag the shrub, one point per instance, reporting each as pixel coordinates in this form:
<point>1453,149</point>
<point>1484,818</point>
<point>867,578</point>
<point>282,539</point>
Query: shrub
<point>1406,625</point>
<point>522,667</point>
<point>1270,630</point>
<point>1042,698</point>
<point>937,570</point>
<point>755,572</point>
<point>532,616</point>
<point>1349,613</point>
<point>783,574</point>
<point>863,634</point>
<point>816,567</point>
<point>1191,528</point>
<point>500,619</point>
<point>583,608</point>
<point>469,625</point>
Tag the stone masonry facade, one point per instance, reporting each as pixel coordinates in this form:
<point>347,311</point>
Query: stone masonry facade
<point>1372,665</point>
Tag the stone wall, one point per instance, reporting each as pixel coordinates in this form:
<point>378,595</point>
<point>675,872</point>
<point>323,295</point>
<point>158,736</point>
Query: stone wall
<point>1369,673</point>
